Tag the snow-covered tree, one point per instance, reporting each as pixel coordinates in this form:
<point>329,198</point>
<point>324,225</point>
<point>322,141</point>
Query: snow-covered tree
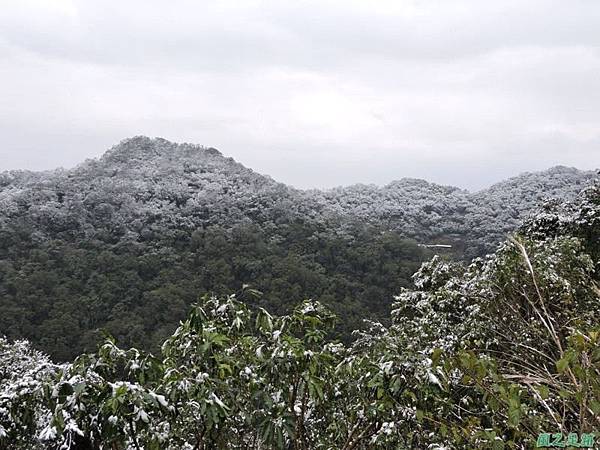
<point>25,376</point>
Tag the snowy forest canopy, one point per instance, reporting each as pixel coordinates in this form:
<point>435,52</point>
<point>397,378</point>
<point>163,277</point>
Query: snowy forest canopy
<point>126,243</point>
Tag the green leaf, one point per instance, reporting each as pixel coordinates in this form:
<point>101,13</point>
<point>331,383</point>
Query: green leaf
<point>562,365</point>
<point>420,415</point>
<point>543,391</point>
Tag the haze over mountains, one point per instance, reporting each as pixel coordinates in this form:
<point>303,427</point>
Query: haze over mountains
<point>128,241</point>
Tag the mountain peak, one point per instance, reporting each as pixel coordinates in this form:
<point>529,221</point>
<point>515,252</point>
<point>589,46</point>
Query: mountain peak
<point>562,170</point>
<point>144,147</point>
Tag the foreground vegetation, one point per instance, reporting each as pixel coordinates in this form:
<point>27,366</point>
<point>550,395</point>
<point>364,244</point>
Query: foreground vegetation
<point>485,356</point>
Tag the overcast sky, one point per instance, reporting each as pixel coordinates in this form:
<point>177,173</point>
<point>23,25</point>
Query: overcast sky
<point>315,94</point>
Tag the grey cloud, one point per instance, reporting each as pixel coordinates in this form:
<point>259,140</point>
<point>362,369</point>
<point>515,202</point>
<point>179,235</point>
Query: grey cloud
<point>307,34</point>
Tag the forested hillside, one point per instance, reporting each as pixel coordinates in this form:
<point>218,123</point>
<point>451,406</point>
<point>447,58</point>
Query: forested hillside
<point>499,353</point>
<point>127,242</point>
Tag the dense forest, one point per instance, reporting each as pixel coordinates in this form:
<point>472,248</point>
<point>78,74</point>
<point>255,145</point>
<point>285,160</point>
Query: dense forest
<point>501,352</point>
<point>126,243</point>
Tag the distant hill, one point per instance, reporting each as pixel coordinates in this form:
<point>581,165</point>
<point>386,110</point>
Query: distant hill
<point>127,241</point>
<point>473,222</point>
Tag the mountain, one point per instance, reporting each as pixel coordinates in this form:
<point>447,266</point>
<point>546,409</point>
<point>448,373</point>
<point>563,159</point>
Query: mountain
<point>135,186</point>
<point>125,243</point>
<point>473,222</point>
<point>143,185</point>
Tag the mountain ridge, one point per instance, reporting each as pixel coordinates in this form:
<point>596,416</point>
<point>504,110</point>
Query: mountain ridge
<point>141,146</point>
<point>189,186</point>
<point>127,241</point>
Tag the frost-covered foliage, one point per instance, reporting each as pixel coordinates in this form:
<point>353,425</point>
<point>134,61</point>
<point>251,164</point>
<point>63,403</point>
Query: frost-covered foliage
<point>24,376</point>
<point>474,222</point>
<point>440,314</point>
<point>230,378</point>
<point>517,332</point>
<point>580,218</point>
<point>145,187</point>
